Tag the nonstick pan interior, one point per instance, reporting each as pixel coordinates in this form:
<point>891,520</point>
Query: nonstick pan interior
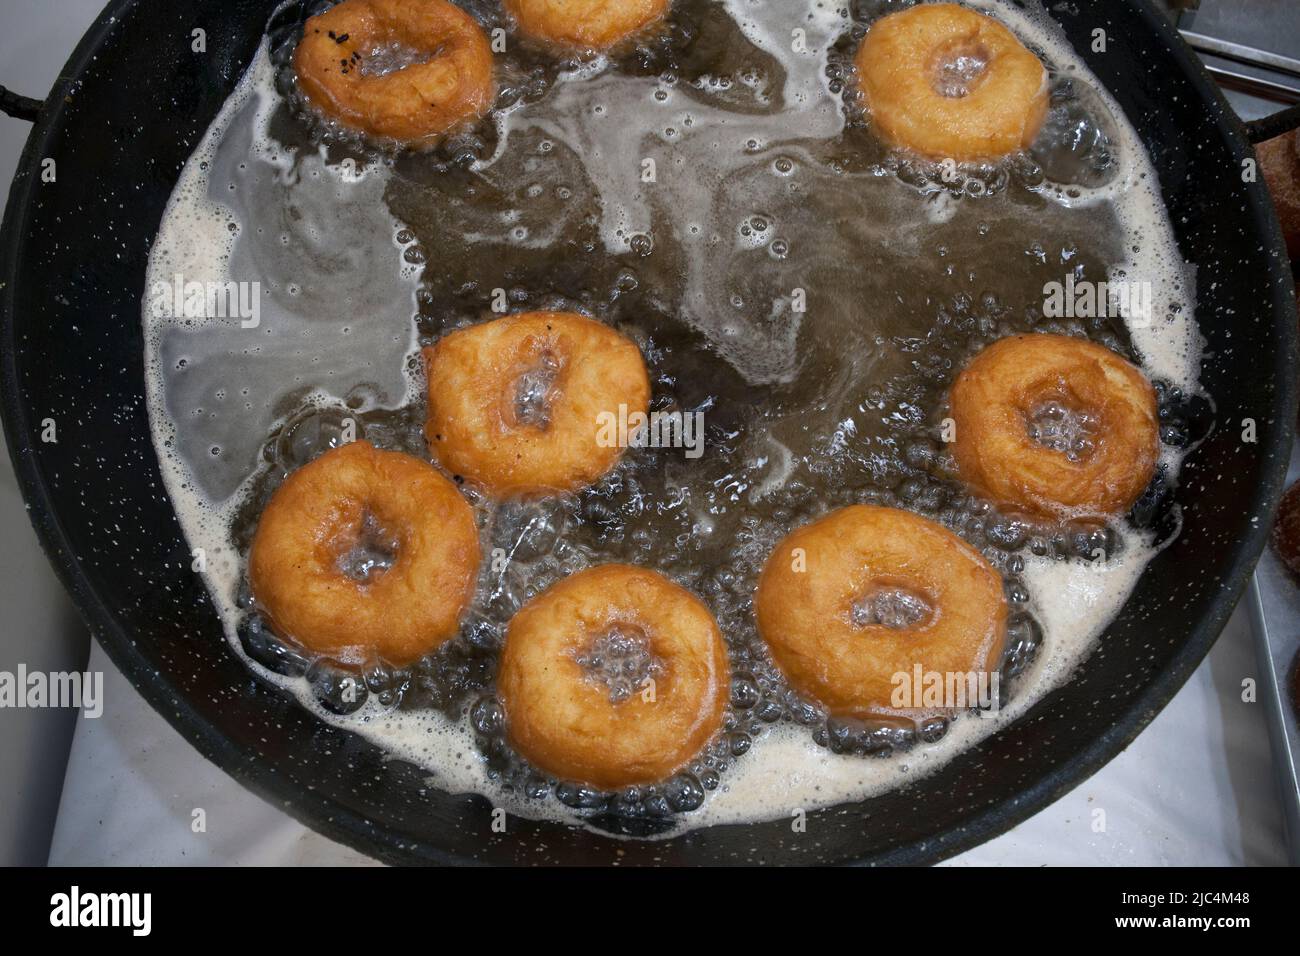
<point>130,107</point>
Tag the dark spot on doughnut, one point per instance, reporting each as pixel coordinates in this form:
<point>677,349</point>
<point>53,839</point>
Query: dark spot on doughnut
<point>895,607</point>
<point>620,658</point>
<point>1056,425</point>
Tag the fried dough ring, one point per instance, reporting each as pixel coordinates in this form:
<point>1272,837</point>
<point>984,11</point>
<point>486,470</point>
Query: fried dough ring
<point>562,719</point>
<point>909,59</point>
<point>585,24</point>
<point>994,397</point>
<point>814,577</point>
<point>414,104</point>
<point>475,427</point>
<point>319,513</point>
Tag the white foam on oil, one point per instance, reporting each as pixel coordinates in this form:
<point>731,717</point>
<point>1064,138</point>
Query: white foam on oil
<point>784,770</point>
<point>1169,344</point>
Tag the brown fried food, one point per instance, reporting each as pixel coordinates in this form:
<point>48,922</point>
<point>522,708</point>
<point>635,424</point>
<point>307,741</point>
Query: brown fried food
<point>364,553</point>
<point>1055,426</point>
<point>406,70</point>
<point>613,677</point>
<point>585,24</point>
<point>948,82</point>
<point>519,404</point>
<point>865,594</point>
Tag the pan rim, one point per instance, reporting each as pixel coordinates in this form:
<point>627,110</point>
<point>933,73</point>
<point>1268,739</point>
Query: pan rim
<point>349,827</point>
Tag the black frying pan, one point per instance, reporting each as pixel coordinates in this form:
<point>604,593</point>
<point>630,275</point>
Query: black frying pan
<point>125,114</point>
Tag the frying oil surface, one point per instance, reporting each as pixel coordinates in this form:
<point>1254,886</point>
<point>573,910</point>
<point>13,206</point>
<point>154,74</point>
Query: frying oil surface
<point>720,200</point>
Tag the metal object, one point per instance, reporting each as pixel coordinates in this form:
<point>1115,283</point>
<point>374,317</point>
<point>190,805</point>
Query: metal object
<point>1244,49</point>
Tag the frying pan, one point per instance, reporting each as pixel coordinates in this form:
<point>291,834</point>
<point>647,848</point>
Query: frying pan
<point>128,109</point>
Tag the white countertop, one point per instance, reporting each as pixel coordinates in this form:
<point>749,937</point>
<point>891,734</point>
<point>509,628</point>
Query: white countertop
<point>1195,789</point>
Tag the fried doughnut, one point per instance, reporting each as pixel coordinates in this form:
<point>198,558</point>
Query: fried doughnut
<point>948,82</point>
<point>585,24</point>
<point>407,70</point>
<point>866,593</point>
<point>613,677</point>
<point>516,404</point>
<point>365,552</point>
<point>1054,425</point>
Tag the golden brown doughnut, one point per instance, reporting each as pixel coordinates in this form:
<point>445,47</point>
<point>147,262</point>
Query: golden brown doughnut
<point>576,672</point>
<point>311,534</point>
<point>585,24</point>
<point>865,594</point>
<point>447,79</point>
<point>1014,386</point>
<point>516,403</point>
<point>948,82</point>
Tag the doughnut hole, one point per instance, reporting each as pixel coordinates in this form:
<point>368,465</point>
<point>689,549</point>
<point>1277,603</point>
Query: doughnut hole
<point>620,659</point>
<point>892,605</point>
<point>534,390</point>
<point>959,67</point>
<point>367,549</point>
<point>1063,424</point>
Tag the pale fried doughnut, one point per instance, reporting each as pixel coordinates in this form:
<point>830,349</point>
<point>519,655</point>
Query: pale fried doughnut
<point>951,83</point>
<point>352,497</point>
<point>998,403</point>
<point>585,24</point>
<point>613,677</point>
<point>515,404</point>
<point>447,79</point>
<point>864,594</point>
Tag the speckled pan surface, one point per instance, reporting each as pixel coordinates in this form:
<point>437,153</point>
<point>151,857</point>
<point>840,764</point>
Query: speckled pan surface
<point>131,109</point>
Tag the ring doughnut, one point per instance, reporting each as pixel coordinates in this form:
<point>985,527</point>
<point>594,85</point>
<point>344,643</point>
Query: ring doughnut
<point>585,24</point>
<point>1055,425</point>
<point>363,552</point>
<point>517,404</point>
<point>407,70</point>
<point>615,676</point>
<point>948,82</point>
<point>867,593</point>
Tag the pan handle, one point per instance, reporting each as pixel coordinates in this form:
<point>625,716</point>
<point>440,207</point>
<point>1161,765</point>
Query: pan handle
<point>1275,125</point>
<point>19,107</point>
